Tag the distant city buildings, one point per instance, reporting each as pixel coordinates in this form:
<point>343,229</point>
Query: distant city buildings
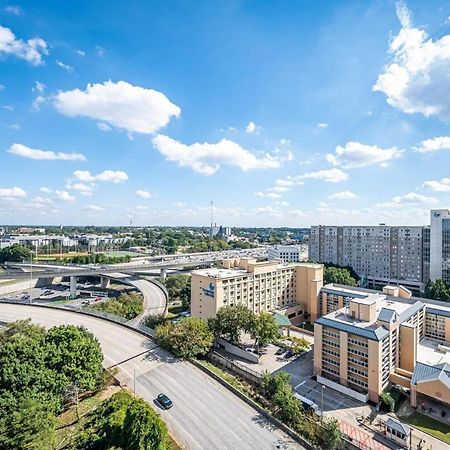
<point>410,255</point>
<point>288,253</point>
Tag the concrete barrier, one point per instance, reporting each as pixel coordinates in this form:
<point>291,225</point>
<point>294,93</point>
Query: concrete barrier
<point>6,289</point>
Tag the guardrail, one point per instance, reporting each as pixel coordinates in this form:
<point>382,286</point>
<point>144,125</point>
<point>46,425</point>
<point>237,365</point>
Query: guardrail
<point>149,332</point>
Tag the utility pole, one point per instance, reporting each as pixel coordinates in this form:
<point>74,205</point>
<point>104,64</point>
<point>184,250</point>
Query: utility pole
<point>323,388</point>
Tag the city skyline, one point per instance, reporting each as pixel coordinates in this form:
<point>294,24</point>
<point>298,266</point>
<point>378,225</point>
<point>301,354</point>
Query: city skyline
<point>329,113</point>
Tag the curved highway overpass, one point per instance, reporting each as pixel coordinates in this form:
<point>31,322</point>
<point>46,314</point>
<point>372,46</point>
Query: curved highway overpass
<point>205,414</point>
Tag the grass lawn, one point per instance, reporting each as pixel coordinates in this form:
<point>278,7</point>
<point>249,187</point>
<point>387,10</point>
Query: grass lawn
<point>430,426</point>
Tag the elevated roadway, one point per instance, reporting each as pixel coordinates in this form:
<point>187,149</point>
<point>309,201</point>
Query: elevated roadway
<point>205,415</point>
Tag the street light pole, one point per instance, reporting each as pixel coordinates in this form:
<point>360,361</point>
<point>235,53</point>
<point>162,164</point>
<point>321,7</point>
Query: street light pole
<point>323,388</point>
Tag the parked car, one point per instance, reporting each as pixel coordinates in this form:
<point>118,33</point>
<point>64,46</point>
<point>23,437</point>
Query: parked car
<point>251,350</point>
<point>280,351</point>
<point>164,401</point>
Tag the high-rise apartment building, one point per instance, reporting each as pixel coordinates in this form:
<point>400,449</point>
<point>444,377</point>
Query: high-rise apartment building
<point>440,244</point>
<point>261,286</point>
<point>381,254</point>
<point>288,253</point>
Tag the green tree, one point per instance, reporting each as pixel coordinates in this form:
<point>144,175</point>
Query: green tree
<point>153,320</point>
<point>29,426</point>
<point>75,355</point>
<point>331,434</point>
<point>437,290</point>
<point>143,428</point>
<point>387,402</point>
<point>265,329</point>
<point>188,338</point>
<point>273,383</point>
<point>15,253</point>
<point>288,407</point>
<point>338,276</point>
<point>231,321</point>
<point>126,305</point>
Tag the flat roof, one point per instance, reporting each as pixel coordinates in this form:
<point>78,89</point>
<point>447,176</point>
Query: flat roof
<point>428,352</point>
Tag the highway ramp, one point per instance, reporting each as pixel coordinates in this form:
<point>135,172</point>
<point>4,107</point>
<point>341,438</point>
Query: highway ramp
<point>205,414</point>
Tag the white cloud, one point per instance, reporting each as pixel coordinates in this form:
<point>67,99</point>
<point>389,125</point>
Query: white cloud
<point>15,192</point>
<point>253,128</point>
<point>13,9</point>
<point>355,154</point>
<point>38,87</point>
<point>45,190</point>
<point>122,105</point>
<point>82,188</point>
<point>271,195</point>
<point>100,50</point>
<point>95,208</point>
<point>328,175</point>
<point>416,80</point>
<point>143,194</point>
<point>406,199</point>
<point>434,145</point>
<point>37,102</point>
<point>103,126</point>
<point>322,125</point>
<point>344,195</point>
<point>180,204</point>
<point>438,186</point>
<point>15,126</point>
<point>66,67</point>
<point>81,53</point>
<point>64,196</point>
<point>113,176</point>
<point>31,50</point>
<point>48,155</point>
<point>208,158</point>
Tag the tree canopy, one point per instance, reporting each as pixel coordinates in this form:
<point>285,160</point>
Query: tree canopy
<point>126,305</point>
<point>437,290</point>
<point>188,338</point>
<point>265,329</point>
<point>15,253</point>
<point>338,275</point>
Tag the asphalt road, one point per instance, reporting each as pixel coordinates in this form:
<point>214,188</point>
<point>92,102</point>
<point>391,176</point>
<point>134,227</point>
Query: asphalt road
<point>205,414</point>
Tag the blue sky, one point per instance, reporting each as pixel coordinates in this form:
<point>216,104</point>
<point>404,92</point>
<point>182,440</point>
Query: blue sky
<point>285,113</point>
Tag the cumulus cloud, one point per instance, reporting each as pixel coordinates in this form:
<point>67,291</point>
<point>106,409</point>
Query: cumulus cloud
<point>438,186</point>
<point>207,159</point>
<point>14,192</point>
<point>31,50</point>
<point>122,105</point>
<point>434,145</point>
<point>82,188</point>
<point>37,102</point>
<point>252,128</point>
<point>322,125</point>
<point>143,194</point>
<point>48,155</point>
<point>329,175</point>
<point>354,155</point>
<point>45,190</point>
<point>38,87</point>
<point>407,199</point>
<point>344,195</point>
<point>112,176</point>
<point>416,80</point>
<point>64,196</point>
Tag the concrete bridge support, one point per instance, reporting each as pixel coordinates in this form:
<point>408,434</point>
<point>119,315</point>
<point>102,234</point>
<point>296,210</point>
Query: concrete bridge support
<point>105,282</point>
<point>73,287</point>
<point>163,274</point>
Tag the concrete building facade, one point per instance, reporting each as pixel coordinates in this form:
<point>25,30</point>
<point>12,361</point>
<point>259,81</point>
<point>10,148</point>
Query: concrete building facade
<point>291,289</point>
<point>288,253</point>
<point>366,340</point>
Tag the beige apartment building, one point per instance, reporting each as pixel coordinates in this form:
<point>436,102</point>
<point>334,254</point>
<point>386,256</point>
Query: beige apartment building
<point>291,289</point>
<point>366,340</point>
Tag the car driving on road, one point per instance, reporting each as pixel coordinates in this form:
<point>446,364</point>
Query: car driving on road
<point>164,401</point>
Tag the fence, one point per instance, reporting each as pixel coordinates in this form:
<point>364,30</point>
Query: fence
<point>236,367</point>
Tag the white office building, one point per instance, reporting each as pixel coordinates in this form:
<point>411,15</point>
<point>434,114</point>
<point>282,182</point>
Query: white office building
<point>440,245</point>
<point>288,253</point>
